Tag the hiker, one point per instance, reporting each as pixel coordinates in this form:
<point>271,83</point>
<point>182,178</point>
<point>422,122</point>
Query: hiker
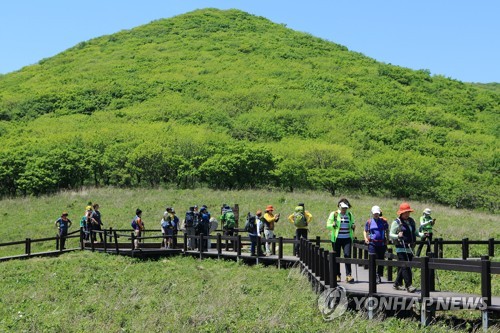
<point>260,230</point>
<point>87,222</point>
<point>96,215</point>
<point>341,224</point>
<point>228,221</point>
<point>376,235</point>
<point>138,226</point>
<point>167,228</point>
<point>176,226</point>
<point>300,219</point>
<point>269,220</point>
<point>204,226</point>
<point>63,224</point>
<point>190,221</point>
<point>426,224</point>
<point>404,233</point>
<point>252,227</point>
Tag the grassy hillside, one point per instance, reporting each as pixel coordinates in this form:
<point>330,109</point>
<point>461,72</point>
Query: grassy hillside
<point>229,100</point>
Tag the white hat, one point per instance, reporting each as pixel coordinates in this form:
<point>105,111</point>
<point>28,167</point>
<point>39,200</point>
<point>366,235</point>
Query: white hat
<point>375,210</point>
<point>427,211</point>
<point>343,205</point>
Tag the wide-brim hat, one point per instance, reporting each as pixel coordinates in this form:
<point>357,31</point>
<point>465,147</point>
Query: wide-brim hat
<point>404,207</point>
<point>269,208</point>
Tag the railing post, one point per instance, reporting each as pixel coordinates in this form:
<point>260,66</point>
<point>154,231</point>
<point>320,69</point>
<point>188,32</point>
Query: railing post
<point>321,265</point>
<point>117,249</point>
<point>425,291</point>
<point>219,245</point>
<point>318,241</point>
<point>185,245</point>
<point>326,269</point>
<point>238,253</point>
<point>280,248</point>
<point>491,247</point>
<point>27,246</point>
<point>465,248</point>
<point>81,238</point>
<point>485,289</point>
<point>273,247</point>
<point>355,250</point>
<point>132,237</point>
<point>436,248</point>
<point>332,267</point>
<point>372,274</point>
<point>110,233</point>
<point>200,247</point>
<point>389,268</point>
<point>365,256</point>
<point>432,275</point>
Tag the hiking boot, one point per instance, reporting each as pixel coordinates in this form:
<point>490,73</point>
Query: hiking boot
<point>338,278</point>
<point>411,289</point>
<point>349,279</point>
<point>397,287</point>
<point>378,280</point>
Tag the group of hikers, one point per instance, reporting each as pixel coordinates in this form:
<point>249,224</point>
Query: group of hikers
<point>377,232</point>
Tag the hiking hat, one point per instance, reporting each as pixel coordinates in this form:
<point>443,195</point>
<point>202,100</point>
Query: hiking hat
<point>404,207</point>
<point>376,210</point>
<point>427,211</point>
<point>301,204</point>
<point>269,208</point>
<point>343,205</point>
<point>64,214</point>
<point>88,208</point>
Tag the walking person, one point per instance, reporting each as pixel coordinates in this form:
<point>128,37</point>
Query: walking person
<point>251,226</point>
<point>190,220</point>
<point>404,233</point>
<point>138,226</point>
<point>269,220</point>
<point>300,219</point>
<point>341,224</point>
<point>376,235</point>
<point>204,226</point>
<point>63,224</point>
<point>426,224</point>
<point>96,215</point>
<point>228,221</point>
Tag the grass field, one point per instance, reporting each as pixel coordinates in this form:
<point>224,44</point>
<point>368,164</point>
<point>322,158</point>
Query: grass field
<point>82,291</point>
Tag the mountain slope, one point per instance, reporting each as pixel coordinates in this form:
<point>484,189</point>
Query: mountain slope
<point>195,99</point>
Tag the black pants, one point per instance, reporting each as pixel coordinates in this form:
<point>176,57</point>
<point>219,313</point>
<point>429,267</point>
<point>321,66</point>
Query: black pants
<point>98,227</point>
<point>299,233</point>
<point>345,245</point>
<point>62,235</point>
<point>404,273</point>
<point>427,239</point>
<point>230,232</point>
<point>379,251</point>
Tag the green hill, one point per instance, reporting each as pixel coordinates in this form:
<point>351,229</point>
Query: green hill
<point>230,100</point>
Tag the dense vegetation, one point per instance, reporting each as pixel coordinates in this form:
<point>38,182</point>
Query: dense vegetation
<point>229,100</point>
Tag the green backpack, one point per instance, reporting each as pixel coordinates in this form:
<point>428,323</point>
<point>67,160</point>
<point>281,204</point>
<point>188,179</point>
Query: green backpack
<point>299,217</point>
<point>229,219</point>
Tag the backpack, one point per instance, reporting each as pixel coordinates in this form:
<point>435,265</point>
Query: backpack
<point>299,217</point>
<point>250,224</point>
<point>189,221</point>
<point>229,219</point>
<point>165,224</point>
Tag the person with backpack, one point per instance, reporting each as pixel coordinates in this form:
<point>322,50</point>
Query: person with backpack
<point>228,220</point>
<point>376,235</point>
<point>167,227</point>
<point>426,224</point>
<point>176,226</point>
<point>252,227</point>
<point>269,220</point>
<point>190,220</point>
<point>204,226</point>
<point>63,224</point>
<point>87,222</point>
<point>341,224</point>
<point>96,215</point>
<point>300,219</point>
<point>138,226</point>
<point>404,232</point>
<point>260,230</point>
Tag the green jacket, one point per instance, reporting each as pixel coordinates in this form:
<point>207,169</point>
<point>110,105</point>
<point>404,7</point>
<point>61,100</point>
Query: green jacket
<point>333,224</point>
<point>426,223</point>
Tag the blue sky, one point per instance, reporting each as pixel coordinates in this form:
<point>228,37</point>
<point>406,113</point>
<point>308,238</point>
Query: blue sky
<point>459,39</point>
